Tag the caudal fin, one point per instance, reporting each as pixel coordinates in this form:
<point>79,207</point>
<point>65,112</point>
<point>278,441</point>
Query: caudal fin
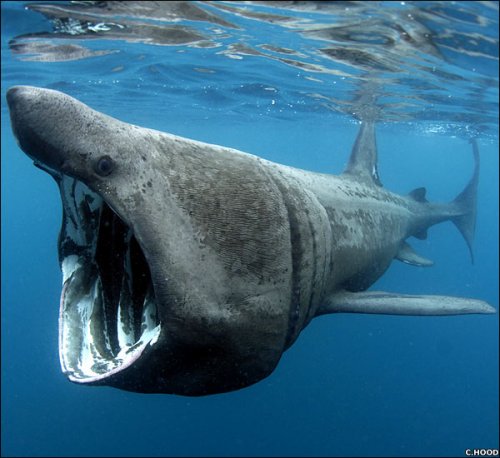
<point>465,204</point>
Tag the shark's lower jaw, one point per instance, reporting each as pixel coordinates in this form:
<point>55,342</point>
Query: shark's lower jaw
<point>108,314</point>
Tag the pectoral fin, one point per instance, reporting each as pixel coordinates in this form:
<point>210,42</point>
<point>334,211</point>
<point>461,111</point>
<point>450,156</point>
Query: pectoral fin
<point>402,304</point>
<point>407,254</point>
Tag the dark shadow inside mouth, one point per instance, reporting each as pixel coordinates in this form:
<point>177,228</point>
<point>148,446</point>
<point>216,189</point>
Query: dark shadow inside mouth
<point>109,257</point>
<point>124,274</point>
<point>141,281</point>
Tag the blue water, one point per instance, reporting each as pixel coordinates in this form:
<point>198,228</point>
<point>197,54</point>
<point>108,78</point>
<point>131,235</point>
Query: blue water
<point>351,385</point>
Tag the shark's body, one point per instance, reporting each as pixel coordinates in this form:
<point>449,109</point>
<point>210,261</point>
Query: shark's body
<point>189,268</point>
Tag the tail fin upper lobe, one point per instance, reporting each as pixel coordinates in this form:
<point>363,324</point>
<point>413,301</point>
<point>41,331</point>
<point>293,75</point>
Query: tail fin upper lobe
<point>465,204</point>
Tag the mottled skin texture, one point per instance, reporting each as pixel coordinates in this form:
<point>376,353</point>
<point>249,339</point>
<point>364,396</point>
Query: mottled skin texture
<point>242,251</point>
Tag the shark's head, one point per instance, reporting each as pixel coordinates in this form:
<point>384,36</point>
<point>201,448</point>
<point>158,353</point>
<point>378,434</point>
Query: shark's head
<point>146,303</point>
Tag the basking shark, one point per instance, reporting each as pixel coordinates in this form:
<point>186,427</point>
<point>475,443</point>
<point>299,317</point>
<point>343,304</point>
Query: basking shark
<point>190,268</point>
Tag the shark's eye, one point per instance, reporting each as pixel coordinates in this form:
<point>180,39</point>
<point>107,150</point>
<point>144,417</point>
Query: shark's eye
<point>104,166</point>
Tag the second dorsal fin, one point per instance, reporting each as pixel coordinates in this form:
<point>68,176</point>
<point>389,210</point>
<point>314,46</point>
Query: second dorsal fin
<point>418,195</point>
<point>363,160</point>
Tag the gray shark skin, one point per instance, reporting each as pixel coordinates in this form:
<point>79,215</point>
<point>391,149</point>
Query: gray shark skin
<point>190,268</point>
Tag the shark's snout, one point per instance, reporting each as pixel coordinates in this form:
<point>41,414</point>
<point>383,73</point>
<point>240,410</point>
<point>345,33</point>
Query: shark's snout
<point>17,100</point>
<point>22,101</point>
<point>33,119</point>
<point>16,93</point>
<point>57,131</point>
<point>13,95</point>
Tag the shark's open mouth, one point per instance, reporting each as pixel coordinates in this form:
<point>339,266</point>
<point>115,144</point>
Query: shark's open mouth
<point>108,313</point>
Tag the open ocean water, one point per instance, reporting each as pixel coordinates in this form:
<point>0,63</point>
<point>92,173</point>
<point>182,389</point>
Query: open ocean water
<point>285,81</point>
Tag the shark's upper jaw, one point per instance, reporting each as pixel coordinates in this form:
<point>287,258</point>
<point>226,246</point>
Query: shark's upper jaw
<point>108,312</point>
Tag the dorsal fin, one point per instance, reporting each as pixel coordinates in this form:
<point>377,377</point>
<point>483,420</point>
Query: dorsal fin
<point>363,160</point>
